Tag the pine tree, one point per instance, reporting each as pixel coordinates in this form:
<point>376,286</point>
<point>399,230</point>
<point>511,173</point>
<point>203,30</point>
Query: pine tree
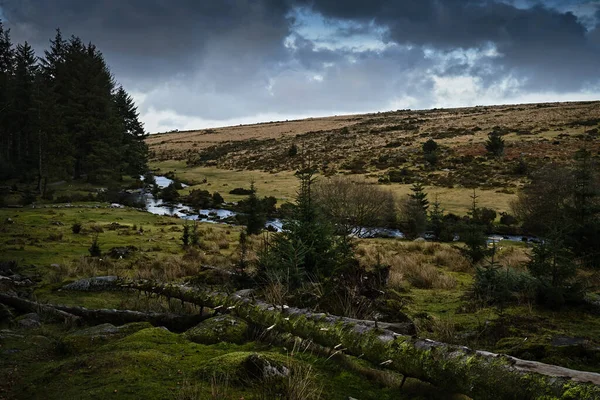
<point>256,218</point>
<point>436,219</point>
<point>135,151</point>
<point>419,196</point>
<point>495,144</point>
<point>24,113</point>
<point>58,148</point>
<point>414,212</point>
<point>91,113</point>
<point>6,106</point>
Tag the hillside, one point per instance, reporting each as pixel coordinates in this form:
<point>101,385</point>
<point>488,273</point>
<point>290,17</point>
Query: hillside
<point>387,147</point>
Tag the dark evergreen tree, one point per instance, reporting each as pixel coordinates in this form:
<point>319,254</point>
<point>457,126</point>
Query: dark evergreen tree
<point>6,106</point>
<point>24,113</point>
<point>495,144</point>
<point>58,150</point>
<point>256,218</point>
<point>414,212</point>
<point>134,151</point>
<point>419,196</point>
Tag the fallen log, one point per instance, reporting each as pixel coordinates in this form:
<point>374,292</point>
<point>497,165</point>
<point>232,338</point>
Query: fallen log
<point>24,305</point>
<point>458,369</point>
<point>173,322</point>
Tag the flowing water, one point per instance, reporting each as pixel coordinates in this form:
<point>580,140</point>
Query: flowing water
<point>218,215</point>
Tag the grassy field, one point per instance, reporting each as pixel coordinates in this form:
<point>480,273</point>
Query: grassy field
<point>284,185</point>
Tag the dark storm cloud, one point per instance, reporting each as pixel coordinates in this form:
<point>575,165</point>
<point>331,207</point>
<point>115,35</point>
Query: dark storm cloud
<point>547,47</point>
<point>153,38</point>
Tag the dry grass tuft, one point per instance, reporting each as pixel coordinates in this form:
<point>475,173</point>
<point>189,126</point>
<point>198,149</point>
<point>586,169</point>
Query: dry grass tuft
<point>414,263</point>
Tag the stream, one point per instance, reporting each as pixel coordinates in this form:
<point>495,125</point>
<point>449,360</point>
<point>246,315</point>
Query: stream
<point>221,216</point>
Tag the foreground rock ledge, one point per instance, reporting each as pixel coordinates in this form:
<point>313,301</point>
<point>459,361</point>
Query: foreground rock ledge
<point>458,369</point>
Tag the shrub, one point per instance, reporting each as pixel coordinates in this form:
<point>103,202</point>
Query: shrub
<point>217,199</point>
<point>169,194</point>
<point>293,150</point>
<point>241,191</point>
<point>430,146</point>
<point>499,286</point>
<point>76,228</point>
<point>95,248</point>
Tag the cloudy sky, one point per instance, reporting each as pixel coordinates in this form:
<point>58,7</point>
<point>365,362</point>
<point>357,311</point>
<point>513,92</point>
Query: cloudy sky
<point>204,63</point>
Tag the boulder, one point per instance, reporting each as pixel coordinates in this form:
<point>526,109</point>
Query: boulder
<point>222,328</point>
<point>29,321</point>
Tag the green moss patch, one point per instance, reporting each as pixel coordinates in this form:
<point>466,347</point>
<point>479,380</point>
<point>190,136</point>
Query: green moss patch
<point>222,328</point>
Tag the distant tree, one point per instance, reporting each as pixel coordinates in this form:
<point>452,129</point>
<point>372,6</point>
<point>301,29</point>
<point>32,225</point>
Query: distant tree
<point>495,144</point>
<point>355,207</point>
<point>293,150</point>
<point>436,219</point>
<point>414,212</point>
<point>256,218</point>
<point>430,146</point>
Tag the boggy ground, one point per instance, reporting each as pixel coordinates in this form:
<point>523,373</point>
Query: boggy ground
<point>386,149</point>
<point>429,282</point>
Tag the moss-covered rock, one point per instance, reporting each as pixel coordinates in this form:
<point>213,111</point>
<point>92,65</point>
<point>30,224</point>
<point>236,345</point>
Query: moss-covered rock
<point>246,366</point>
<point>222,328</point>
<point>99,334</point>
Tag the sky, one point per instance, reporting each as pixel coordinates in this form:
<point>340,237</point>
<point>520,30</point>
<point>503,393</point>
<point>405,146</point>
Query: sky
<point>193,64</point>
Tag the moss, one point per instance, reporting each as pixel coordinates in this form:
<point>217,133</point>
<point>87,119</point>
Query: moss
<point>98,335</point>
<point>223,328</point>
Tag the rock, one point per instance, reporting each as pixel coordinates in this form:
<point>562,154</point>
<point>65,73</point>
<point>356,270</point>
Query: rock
<point>29,321</point>
<point>101,334</point>
<point>419,239</point>
<point>259,367</point>
<point>91,284</point>
<point>222,328</point>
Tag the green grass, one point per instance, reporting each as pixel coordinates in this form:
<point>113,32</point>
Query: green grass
<point>283,186</point>
<point>156,364</point>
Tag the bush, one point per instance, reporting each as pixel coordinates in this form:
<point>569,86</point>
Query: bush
<point>293,150</point>
<point>494,285</point>
<point>507,219</point>
<point>217,199</point>
<point>430,146</point>
<point>76,228</point>
<point>400,176</point>
<point>169,194</point>
<point>95,248</point>
<point>241,191</point>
